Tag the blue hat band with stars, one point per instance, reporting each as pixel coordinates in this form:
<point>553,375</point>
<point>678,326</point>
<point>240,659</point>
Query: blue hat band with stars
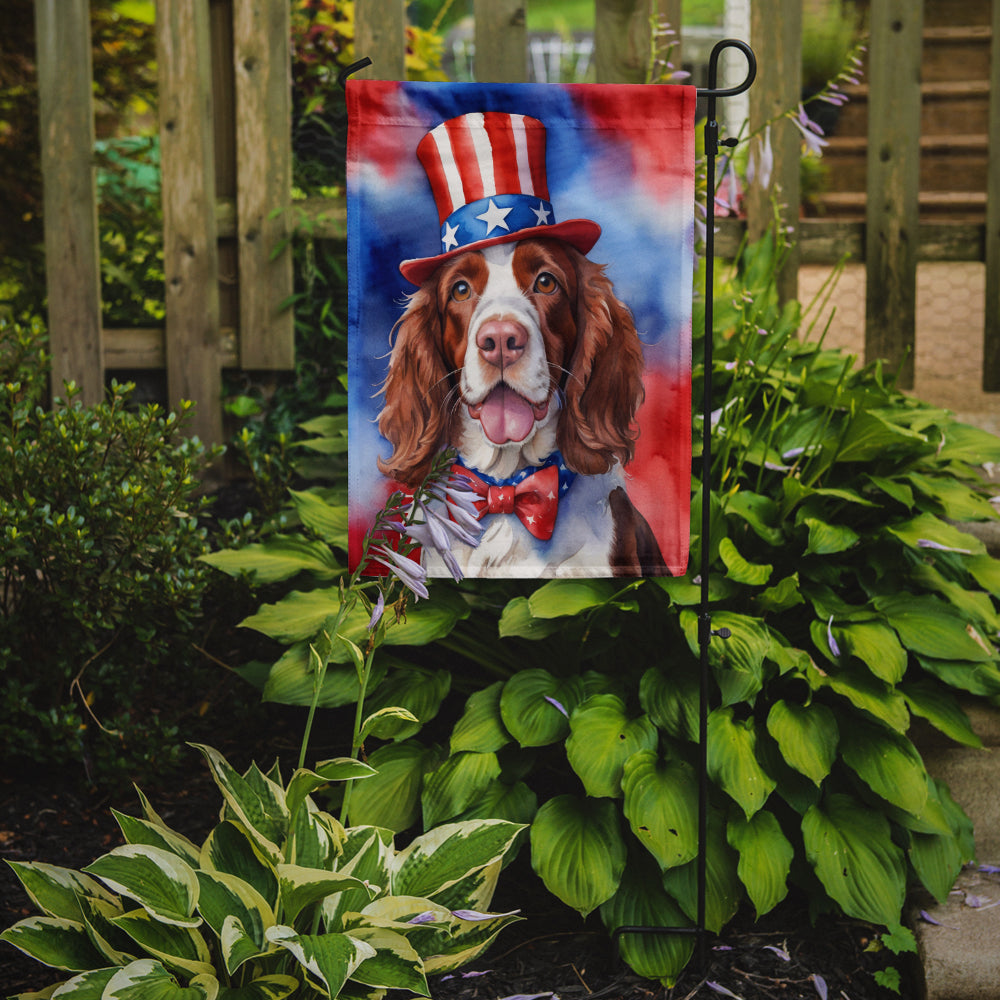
<point>495,216</point>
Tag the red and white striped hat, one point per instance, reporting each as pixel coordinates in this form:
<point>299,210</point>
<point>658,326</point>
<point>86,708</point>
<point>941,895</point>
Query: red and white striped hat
<point>487,174</point>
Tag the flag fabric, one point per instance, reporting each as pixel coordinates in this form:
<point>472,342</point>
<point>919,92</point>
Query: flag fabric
<point>520,263</point>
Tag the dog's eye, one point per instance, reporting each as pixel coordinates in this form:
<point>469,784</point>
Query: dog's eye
<point>546,283</point>
<point>461,291</point>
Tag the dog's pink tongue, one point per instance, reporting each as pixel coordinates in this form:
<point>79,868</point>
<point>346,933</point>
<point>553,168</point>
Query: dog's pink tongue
<point>506,416</point>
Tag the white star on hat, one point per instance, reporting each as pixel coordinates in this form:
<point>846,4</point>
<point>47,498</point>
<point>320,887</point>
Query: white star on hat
<point>449,239</point>
<point>495,217</point>
<point>541,214</point>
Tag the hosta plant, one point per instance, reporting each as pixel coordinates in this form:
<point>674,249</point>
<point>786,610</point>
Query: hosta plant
<point>279,900</point>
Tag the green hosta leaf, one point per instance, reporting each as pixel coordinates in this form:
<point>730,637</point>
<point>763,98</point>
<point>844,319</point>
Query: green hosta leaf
<point>226,898</point>
<point>876,646</point>
<point>561,598</point>
<point>965,443</point>
<point>937,859</point>
<point>928,528</point>
<point>147,979</point>
<point>578,851</point>
<point>641,901</point>
<point>516,803</point>
<point>732,760</point>
<point>985,569</point>
<point>684,592</point>
<point>765,858</point>
<point>941,709</point>
<point>331,959</point>
<point>517,620</point>
<point>931,628</point>
<point>327,520</point>
<point>888,763</point>
<point>481,728</point>
<point>958,502</point>
<point>975,605</point>
<point>723,889</point>
<point>807,736</point>
<point>828,539</point>
<point>231,850</point>
<point>783,595</point>
<point>387,723</point>
<point>56,891</point>
<point>602,738</point>
<point>530,706</point>
<point>870,435</point>
<point>671,699</point>
<point>456,784</point>
<point>864,691</point>
<point>275,987</point>
<point>418,691</point>
<point>893,488</point>
<point>850,848</point>
<point>260,806</point>
<point>54,941</point>
<point>738,661</point>
<point>279,558</point>
<point>751,574</point>
<point>391,798</point>
<point>758,511</point>
<point>976,678</point>
<point>438,859</point>
<point>395,964</point>
<point>142,831</point>
<point>160,882</point>
<point>301,887</point>
<point>292,681</point>
<point>180,948</point>
<point>661,799</point>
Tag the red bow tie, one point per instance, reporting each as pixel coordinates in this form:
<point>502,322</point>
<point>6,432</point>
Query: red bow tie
<point>535,499</point>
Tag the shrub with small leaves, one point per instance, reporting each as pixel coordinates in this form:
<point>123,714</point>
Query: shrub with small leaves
<point>99,574</point>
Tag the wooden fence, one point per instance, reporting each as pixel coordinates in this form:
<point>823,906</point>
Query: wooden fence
<point>226,161</point>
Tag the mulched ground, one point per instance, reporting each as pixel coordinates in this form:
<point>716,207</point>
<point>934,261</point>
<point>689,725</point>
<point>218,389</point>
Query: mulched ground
<point>550,952</point>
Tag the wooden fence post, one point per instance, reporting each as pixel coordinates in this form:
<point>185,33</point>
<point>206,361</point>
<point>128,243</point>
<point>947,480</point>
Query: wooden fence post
<point>991,332</point>
<point>190,251</point>
<point>622,40</point>
<point>892,214</point>
<point>501,41</point>
<point>776,35</point>
<point>380,34</point>
<point>262,61</point>
<point>72,255</point>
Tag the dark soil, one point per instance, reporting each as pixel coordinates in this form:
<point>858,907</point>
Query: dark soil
<point>551,952</point>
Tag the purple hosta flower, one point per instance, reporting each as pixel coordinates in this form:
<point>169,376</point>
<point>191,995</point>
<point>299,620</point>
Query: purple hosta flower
<point>927,918</point>
<point>719,988</point>
<point>465,975</point>
<point>475,915</point>
<point>820,983</point>
<point>411,574</point>
<point>834,648</point>
<point>989,869</point>
<point>760,165</point>
<point>727,198</point>
<point>780,952</point>
<point>427,917</point>
<point>558,705</point>
<point>927,543</point>
<point>812,134</point>
<point>377,612</point>
<point>531,996</point>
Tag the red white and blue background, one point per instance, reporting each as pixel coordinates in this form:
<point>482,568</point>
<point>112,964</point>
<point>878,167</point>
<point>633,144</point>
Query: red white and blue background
<point>619,164</point>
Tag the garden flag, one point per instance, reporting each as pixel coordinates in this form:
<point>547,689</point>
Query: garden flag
<point>520,275</point>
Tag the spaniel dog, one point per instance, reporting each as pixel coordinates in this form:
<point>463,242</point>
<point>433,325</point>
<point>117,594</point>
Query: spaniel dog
<point>519,356</point>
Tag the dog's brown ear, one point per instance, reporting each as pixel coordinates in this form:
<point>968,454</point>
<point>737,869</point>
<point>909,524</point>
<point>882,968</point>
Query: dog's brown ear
<point>604,386</point>
<point>414,419</point>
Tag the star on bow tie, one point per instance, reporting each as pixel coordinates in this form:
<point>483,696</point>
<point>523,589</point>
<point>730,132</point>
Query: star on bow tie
<point>534,500</point>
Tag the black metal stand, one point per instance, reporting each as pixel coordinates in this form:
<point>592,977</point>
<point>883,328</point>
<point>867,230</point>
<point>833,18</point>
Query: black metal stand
<point>705,631</point>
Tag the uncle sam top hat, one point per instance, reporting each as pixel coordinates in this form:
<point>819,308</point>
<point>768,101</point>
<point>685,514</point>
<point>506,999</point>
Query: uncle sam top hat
<point>488,177</point>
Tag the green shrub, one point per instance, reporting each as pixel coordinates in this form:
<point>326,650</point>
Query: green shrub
<point>101,584</point>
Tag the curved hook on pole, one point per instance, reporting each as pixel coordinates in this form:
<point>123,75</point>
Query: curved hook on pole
<point>352,68</point>
<point>712,90</point>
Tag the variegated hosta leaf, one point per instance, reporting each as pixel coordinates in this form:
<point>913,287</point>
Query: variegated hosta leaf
<point>456,784</point>
<point>888,763</point>
<point>328,959</point>
<point>602,737</point>
<point>395,964</point>
<point>391,799</point>
<point>141,831</point>
<point>535,706</point>
<point>642,902</point>
<point>274,987</point>
<point>850,847</point>
<point>367,853</point>
<point>807,736</point>
<point>418,691</point>
<point>723,889</point>
<point>158,880</point>
<point>55,941</point>
<point>661,805</point>
<point>86,986</point>
<point>230,849</point>
<point>732,760</point>
<point>578,851</point>
<point>177,947</point>
<point>98,915</point>
<point>441,857</point>
<point>147,979</point>
<point>481,727</point>
<point>315,838</point>
<point>765,858</point>
<point>225,897</point>
<point>256,801</point>
<point>476,890</point>
<point>56,891</point>
<point>304,782</point>
<point>300,887</point>
<point>467,940</point>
